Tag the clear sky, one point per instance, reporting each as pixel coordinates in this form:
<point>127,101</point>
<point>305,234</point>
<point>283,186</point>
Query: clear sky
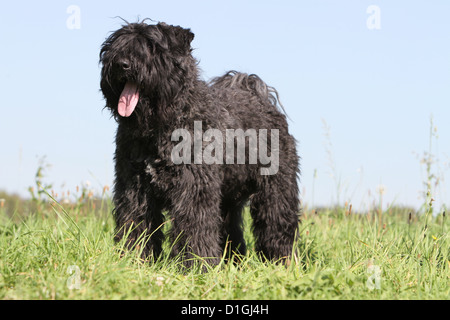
<point>359,86</point>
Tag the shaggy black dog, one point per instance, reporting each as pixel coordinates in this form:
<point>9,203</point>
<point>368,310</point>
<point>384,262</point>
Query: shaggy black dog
<point>150,82</point>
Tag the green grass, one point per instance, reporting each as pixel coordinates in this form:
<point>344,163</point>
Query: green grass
<point>333,259</point>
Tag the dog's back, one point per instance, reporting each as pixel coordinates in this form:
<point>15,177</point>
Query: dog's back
<point>250,83</point>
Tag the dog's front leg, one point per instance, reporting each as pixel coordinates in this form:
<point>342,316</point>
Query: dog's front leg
<point>195,213</point>
<point>138,212</point>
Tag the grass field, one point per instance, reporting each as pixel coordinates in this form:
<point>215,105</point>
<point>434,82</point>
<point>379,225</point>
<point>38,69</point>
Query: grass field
<point>52,253</point>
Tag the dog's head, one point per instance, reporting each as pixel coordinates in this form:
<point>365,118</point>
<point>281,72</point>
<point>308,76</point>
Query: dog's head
<point>142,62</point>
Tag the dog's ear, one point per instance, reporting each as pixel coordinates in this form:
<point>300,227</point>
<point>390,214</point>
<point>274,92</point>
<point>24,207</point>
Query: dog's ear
<point>179,38</point>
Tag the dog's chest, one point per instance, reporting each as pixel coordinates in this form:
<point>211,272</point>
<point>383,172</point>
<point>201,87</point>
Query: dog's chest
<point>150,167</point>
<point>150,161</point>
<point>144,158</point>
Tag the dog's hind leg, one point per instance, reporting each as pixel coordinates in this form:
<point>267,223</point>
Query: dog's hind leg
<point>233,235</point>
<point>274,209</point>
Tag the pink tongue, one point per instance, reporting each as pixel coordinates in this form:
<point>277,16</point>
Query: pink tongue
<point>128,99</point>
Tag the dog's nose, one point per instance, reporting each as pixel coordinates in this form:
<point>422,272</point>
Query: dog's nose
<point>125,64</point>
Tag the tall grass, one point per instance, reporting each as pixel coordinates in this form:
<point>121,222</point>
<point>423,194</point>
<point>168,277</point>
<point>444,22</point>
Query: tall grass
<point>332,260</point>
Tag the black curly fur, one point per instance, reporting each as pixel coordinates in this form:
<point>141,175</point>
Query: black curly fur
<point>203,201</point>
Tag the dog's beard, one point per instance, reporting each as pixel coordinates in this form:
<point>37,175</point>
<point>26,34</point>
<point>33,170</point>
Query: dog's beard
<point>128,99</point>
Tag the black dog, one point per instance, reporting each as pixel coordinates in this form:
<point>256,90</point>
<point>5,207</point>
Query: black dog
<point>150,81</point>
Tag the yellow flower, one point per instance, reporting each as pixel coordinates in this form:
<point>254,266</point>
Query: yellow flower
<point>159,281</point>
<point>381,189</point>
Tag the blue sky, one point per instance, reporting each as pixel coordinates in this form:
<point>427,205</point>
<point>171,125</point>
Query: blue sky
<point>374,89</point>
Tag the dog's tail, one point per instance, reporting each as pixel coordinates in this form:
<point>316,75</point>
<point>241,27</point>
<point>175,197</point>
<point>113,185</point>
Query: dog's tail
<point>251,83</point>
